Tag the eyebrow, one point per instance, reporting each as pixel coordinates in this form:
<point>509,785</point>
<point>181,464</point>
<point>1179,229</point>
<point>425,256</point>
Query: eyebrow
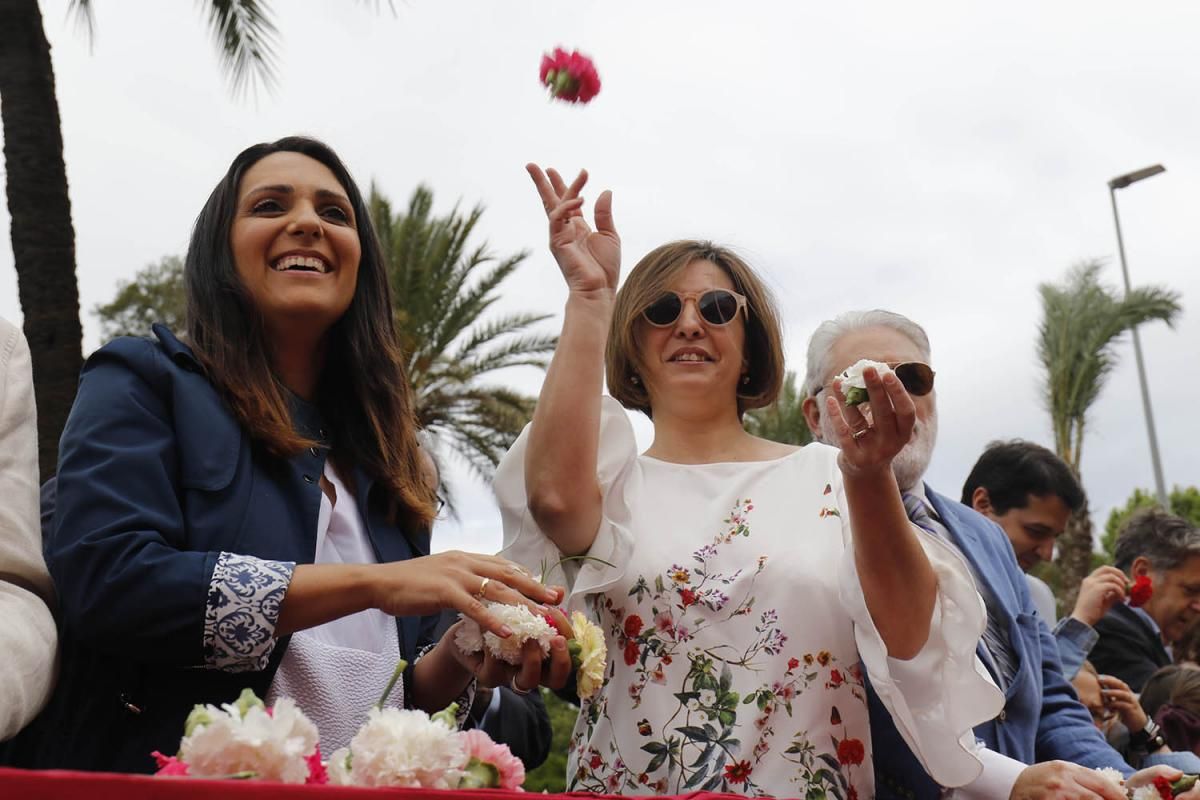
<point>283,188</point>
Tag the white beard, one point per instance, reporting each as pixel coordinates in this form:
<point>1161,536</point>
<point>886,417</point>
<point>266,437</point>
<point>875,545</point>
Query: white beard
<point>910,464</point>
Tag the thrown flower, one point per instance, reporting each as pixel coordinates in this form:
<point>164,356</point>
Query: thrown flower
<point>570,77</point>
<point>854,385</point>
<point>1140,591</point>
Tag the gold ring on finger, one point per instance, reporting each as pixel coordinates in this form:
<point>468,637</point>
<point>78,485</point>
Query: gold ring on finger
<point>482,593</point>
<point>516,687</point>
<point>859,434</point>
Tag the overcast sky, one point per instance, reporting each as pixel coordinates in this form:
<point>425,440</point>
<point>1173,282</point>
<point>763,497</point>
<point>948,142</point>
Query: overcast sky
<point>939,159</point>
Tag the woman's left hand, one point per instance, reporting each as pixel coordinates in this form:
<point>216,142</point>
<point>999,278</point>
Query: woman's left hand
<point>868,442</point>
<point>534,669</point>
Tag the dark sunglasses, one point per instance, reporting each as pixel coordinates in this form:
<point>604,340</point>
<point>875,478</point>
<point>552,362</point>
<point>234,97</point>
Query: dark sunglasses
<point>915,376</point>
<point>716,307</point>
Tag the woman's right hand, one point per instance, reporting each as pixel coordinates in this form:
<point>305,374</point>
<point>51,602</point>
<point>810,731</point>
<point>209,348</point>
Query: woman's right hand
<point>462,581</point>
<point>590,260</point>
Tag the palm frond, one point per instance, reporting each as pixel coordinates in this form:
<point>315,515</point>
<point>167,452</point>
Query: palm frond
<point>245,38</point>
<point>85,19</point>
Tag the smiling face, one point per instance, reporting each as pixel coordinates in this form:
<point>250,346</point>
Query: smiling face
<point>295,243</point>
<point>693,358</point>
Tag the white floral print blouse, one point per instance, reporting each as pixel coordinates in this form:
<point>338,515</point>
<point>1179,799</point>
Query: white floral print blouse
<point>738,635</point>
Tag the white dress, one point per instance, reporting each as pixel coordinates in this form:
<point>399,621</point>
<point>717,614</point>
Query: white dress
<point>737,631</point>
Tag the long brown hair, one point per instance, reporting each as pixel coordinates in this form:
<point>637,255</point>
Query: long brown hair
<point>646,283</point>
<point>363,394</point>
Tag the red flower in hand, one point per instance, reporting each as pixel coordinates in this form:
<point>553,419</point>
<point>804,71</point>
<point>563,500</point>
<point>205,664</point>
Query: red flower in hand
<point>1164,788</point>
<point>737,772</point>
<point>571,77</point>
<point>850,752</point>
<point>1140,591</point>
<point>633,625</point>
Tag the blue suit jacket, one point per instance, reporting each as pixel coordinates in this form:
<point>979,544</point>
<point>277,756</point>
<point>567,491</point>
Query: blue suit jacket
<point>1042,717</point>
<point>155,479</point>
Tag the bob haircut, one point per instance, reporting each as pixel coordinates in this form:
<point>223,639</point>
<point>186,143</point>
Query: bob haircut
<point>363,393</point>
<point>647,282</point>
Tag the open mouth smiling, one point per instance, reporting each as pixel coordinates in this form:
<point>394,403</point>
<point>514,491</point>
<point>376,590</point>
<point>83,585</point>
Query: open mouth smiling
<point>301,263</point>
<point>691,356</point>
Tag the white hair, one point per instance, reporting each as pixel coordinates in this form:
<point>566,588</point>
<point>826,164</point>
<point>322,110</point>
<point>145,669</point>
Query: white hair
<point>828,332</point>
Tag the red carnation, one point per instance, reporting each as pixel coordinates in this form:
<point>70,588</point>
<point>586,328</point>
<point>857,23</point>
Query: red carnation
<point>1165,790</point>
<point>571,77</point>
<point>1140,591</point>
<point>850,752</point>
<point>633,625</point>
<point>737,772</point>
<point>631,652</point>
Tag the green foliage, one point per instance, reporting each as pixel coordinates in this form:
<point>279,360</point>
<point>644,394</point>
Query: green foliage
<point>552,775</point>
<point>441,289</point>
<point>154,295</point>
<point>782,421</point>
<point>1082,322</point>
<point>1184,502</point>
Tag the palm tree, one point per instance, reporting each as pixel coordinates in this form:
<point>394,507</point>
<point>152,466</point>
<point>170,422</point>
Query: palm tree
<point>783,420</point>
<point>1082,323</point>
<point>441,288</point>
<point>43,237</point>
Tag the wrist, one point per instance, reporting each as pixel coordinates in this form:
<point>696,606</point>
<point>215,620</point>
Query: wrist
<point>1149,738</point>
<point>592,300</point>
<point>1086,618</point>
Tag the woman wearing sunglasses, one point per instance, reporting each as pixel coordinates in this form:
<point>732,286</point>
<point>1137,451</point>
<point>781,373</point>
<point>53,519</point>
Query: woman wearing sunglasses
<point>740,582</point>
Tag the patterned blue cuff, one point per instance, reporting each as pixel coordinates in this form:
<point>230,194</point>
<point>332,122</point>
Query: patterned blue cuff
<point>242,610</point>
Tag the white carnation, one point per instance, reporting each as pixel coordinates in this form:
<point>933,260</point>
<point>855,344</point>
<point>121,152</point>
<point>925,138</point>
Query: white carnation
<point>274,748</point>
<point>525,626</point>
<point>853,378</point>
<point>1148,792</point>
<point>401,747</point>
<point>1113,775</point>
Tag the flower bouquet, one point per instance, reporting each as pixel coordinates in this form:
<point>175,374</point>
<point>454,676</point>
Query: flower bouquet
<point>247,740</point>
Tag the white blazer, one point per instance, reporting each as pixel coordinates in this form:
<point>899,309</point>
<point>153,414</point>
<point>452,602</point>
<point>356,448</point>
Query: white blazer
<point>28,638</point>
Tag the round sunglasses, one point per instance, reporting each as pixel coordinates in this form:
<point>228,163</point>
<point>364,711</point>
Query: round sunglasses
<point>915,376</point>
<point>716,307</point>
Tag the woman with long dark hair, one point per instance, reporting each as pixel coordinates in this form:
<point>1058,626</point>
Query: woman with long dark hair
<point>245,507</point>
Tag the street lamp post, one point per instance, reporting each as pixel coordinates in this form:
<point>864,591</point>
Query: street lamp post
<point>1120,182</point>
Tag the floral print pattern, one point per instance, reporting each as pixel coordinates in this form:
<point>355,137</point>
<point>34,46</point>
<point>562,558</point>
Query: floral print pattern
<point>243,606</point>
<point>718,707</point>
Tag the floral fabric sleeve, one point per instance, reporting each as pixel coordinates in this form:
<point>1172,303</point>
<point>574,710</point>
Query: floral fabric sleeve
<point>524,541</point>
<point>244,598</point>
<point>938,696</point>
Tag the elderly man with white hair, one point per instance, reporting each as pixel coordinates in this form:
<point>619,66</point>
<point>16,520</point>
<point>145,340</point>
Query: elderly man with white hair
<point>1042,723</point>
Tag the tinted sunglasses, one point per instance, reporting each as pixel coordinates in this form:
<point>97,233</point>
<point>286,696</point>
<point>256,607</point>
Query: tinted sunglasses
<point>915,376</point>
<point>716,307</point>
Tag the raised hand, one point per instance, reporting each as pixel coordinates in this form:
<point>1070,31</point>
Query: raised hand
<point>590,260</point>
<point>1099,592</point>
<point>870,442</point>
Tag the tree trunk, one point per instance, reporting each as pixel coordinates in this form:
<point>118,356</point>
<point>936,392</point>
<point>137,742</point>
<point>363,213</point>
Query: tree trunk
<point>43,239</point>
<point>1075,554</point>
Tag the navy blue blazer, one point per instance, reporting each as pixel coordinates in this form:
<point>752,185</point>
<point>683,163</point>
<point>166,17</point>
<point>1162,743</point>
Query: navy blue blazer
<point>1042,718</point>
<point>156,478</point>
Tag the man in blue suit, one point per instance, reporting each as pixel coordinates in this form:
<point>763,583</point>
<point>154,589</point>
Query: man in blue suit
<point>1043,742</point>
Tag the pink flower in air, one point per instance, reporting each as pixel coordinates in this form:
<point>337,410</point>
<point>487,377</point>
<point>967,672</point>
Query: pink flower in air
<point>479,745</point>
<point>169,765</point>
<point>571,77</point>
